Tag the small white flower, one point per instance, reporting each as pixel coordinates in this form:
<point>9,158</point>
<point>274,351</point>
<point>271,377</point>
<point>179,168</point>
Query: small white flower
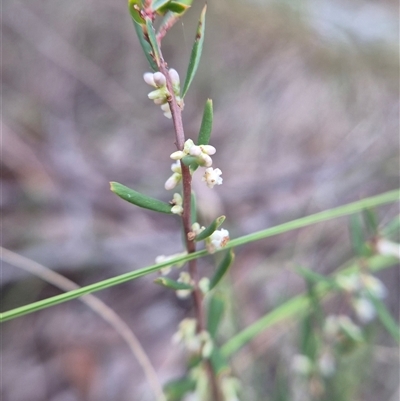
<point>175,178</point>
<point>204,285</point>
<point>217,240</point>
<point>212,177</point>
<point>388,248</point>
<point>327,364</point>
<point>177,204</point>
<point>174,77</point>
<point>374,286</point>
<point>301,364</point>
<point>364,309</point>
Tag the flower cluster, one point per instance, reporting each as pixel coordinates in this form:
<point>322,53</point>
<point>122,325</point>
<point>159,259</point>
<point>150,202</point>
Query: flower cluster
<point>217,240</point>
<point>362,287</point>
<point>184,278</point>
<point>161,95</point>
<point>201,153</point>
<point>177,204</point>
<point>198,343</point>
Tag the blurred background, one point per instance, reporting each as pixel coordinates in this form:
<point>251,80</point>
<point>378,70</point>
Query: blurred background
<point>306,101</point>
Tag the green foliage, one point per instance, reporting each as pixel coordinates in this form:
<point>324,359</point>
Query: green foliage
<point>216,308</point>
<point>206,124</point>
<point>147,50</point>
<point>210,229</point>
<point>222,268</point>
<point>175,390</point>
<point>139,199</point>
<point>196,53</point>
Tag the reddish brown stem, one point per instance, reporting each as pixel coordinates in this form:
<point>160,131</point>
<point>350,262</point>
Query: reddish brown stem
<point>186,219</point>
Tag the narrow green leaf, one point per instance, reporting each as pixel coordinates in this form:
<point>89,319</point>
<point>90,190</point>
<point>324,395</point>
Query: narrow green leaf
<point>159,4</point>
<point>189,160</point>
<point>357,236</point>
<point>385,317</point>
<point>193,208</point>
<point>371,222</point>
<point>196,53</point>
<point>206,124</point>
<point>174,285</point>
<point>315,278</point>
<point>222,268</point>
<point>139,199</point>
<point>134,7</point>
<point>153,41</point>
<point>375,263</point>
<point>175,390</point>
<point>216,308</point>
<point>218,362</point>
<point>145,45</point>
<point>210,229</point>
<point>176,7</point>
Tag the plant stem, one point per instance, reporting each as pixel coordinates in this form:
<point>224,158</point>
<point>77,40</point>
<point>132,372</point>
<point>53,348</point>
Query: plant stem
<point>186,220</point>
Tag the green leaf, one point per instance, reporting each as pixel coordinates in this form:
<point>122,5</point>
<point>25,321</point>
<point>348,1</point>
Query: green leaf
<point>210,229</point>
<point>153,41</point>
<point>134,7</point>
<point>177,7</point>
<point>189,160</point>
<point>316,278</point>
<point>222,268</point>
<point>193,208</point>
<point>371,222</point>
<point>357,236</point>
<point>159,4</point>
<point>216,308</point>
<point>219,362</point>
<point>139,199</point>
<point>206,124</point>
<point>385,317</point>
<point>175,390</point>
<point>145,45</point>
<point>175,285</point>
<point>196,53</point>
<point>375,263</point>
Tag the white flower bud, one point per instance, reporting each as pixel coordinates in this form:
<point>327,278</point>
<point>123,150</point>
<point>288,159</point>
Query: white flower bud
<point>374,286</point>
<point>178,155</point>
<point>174,76</point>
<point>149,79</point>
<point>212,177</point>
<point>195,150</point>
<point>159,79</point>
<point>302,364</point>
<point>157,94</point>
<point>388,248</point>
<point>364,309</point>
<point>173,181</point>
<point>208,149</point>
<point>176,167</point>
<point>205,160</point>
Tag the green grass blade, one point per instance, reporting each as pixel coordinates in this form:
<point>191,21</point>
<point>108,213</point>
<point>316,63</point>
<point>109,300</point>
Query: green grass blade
<point>196,53</point>
<point>350,208</point>
<point>206,124</point>
<point>139,199</point>
<point>295,307</point>
<point>340,211</point>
